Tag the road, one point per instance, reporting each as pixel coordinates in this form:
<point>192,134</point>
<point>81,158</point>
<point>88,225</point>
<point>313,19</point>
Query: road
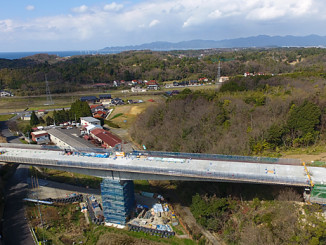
<point>6,133</point>
<point>158,168</point>
<point>15,227</point>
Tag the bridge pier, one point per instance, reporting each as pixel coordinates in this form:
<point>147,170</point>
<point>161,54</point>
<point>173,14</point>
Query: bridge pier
<point>118,200</point>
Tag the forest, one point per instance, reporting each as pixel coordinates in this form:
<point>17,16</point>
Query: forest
<point>248,116</point>
<point>26,76</point>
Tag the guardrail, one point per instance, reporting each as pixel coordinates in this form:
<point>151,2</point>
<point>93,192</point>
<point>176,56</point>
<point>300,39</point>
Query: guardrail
<point>201,174</point>
<point>53,148</point>
<point>220,157</point>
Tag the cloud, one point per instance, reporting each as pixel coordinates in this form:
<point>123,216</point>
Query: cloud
<point>215,14</point>
<point>113,7</point>
<point>80,9</point>
<point>30,7</point>
<point>154,23</point>
<point>6,25</point>
<point>268,9</point>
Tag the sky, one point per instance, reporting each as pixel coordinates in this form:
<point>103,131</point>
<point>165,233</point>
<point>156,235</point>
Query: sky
<point>61,25</point>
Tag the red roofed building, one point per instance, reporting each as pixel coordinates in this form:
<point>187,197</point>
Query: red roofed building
<point>94,106</point>
<point>40,137</point>
<point>99,114</point>
<point>107,139</point>
<point>152,84</point>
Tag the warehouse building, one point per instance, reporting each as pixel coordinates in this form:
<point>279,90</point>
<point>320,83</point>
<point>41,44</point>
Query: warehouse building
<point>68,139</point>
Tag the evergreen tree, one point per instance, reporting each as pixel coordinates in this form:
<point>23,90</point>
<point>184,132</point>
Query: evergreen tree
<point>303,119</point>
<point>49,120</point>
<point>34,119</point>
<point>80,109</point>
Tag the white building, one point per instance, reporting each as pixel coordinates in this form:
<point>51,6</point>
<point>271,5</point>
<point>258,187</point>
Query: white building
<point>86,121</point>
<point>138,89</point>
<point>223,79</point>
<point>89,128</point>
<point>5,93</point>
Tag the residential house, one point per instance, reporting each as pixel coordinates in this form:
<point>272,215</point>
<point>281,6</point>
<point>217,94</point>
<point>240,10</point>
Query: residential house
<point>223,79</point>
<point>96,108</point>
<point>203,79</point>
<point>152,85</point>
<point>26,117</point>
<point>40,137</point>
<point>134,82</point>
<point>117,101</point>
<point>99,114</point>
<point>40,113</point>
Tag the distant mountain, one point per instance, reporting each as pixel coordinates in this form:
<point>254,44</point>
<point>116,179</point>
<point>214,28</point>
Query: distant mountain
<point>257,41</point>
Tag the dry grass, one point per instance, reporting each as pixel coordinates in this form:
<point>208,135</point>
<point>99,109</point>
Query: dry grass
<point>122,239</point>
<point>130,112</point>
<point>3,139</point>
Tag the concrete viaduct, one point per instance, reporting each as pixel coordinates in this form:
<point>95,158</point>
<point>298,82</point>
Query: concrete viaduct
<point>263,171</point>
<point>119,171</point>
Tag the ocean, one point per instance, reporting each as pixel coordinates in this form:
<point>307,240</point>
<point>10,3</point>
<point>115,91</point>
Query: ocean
<point>18,55</point>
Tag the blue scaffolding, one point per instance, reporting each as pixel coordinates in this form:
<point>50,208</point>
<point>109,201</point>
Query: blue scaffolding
<point>118,199</point>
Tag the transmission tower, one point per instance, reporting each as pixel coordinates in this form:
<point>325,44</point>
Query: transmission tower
<point>48,93</point>
<point>218,76</point>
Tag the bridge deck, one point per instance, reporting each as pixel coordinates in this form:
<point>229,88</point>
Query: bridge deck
<point>164,168</point>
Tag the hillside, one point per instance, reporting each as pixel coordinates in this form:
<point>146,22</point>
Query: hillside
<point>253,115</point>
<point>26,76</point>
<point>247,42</point>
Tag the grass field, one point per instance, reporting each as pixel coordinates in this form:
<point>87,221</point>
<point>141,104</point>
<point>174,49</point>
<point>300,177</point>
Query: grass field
<point>125,115</point>
<point>5,117</point>
<point>13,104</point>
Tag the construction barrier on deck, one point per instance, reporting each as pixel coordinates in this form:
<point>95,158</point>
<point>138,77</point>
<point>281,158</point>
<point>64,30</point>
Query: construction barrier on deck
<point>218,157</point>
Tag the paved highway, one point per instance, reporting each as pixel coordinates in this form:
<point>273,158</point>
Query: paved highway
<point>158,168</point>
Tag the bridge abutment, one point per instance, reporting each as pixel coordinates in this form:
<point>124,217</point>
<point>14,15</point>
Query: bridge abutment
<point>118,199</point>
